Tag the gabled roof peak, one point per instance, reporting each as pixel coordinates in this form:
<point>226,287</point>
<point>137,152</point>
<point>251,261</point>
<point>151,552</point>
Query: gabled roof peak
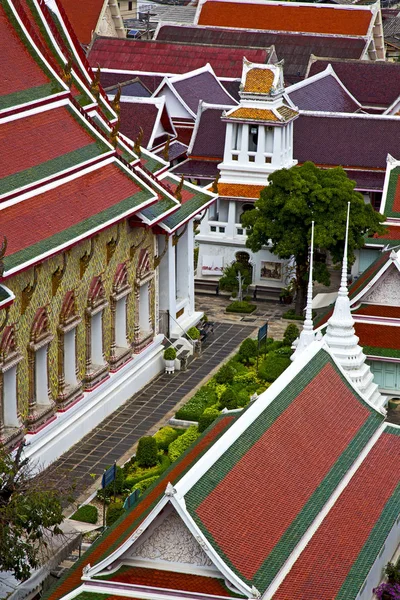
<point>261,79</point>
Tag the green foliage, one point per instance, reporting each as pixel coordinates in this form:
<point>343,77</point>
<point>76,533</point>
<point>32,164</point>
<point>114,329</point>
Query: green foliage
<point>108,491</point>
<point>193,333</point>
<point>241,307</point>
<point>182,443</point>
<point>225,374</point>
<point>291,334</point>
<point>284,351</point>
<point>291,314</point>
<point>196,257</point>
<point>170,353</point>
<point>229,399</point>
<point>273,366</point>
<point>164,437</point>
<point>208,417</point>
<point>247,350</point>
<point>194,408</point>
<point>139,474</point>
<point>293,199</point>
<point>245,378</point>
<point>114,511</point>
<point>86,513</point>
<point>30,509</point>
<point>229,281</point>
<point>243,397</point>
<point>145,483</point>
<point>147,452</point>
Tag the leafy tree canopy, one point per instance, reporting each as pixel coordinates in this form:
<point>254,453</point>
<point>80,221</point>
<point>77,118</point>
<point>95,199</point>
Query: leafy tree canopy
<point>293,199</point>
<point>229,280</point>
<point>30,512</point>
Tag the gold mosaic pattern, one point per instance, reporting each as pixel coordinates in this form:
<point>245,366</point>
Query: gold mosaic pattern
<point>259,81</point>
<point>255,114</point>
<point>42,296</point>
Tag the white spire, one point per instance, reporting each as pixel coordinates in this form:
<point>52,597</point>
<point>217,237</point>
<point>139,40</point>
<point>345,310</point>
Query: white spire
<point>307,335</point>
<point>341,339</point>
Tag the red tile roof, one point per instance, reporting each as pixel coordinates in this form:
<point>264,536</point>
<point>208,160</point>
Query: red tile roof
<point>83,17</point>
<point>28,142</point>
<point>391,312</point>
<point>338,542</point>
<point>284,17</point>
<point>170,580</point>
<point>123,529</point>
<point>161,57</point>
<point>378,336</point>
<point>18,69</point>
<point>300,448</point>
<point>31,221</point>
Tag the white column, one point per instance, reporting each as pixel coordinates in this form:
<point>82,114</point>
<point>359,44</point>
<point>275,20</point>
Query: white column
<point>10,412</point>
<point>244,146</point>
<point>144,314</point>
<point>276,157</point>
<point>190,266</point>
<point>260,146</point>
<point>41,381</point>
<point>182,258</point>
<point>167,277</point>
<point>97,339</point>
<point>231,226</point>
<point>120,323</point>
<point>69,357</point>
<point>228,143</point>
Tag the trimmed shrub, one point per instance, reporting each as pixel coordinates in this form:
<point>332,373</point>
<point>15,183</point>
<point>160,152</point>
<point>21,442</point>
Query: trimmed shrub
<point>194,408</point>
<point>241,307</point>
<point>114,511</point>
<point>245,379</point>
<point>194,333</point>
<point>291,334</point>
<point>208,417</point>
<point>229,399</point>
<point>147,452</point>
<point>273,366</point>
<point>225,374</point>
<point>182,443</point>
<point>164,437</point>
<point>247,350</point>
<point>243,397</point>
<point>145,483</point>
<point>140,474</point>
<point>86,513</point>
<point>170,353</point>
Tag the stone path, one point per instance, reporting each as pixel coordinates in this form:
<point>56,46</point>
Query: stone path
<point>115,438</point>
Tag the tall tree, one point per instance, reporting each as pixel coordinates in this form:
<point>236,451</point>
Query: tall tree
<point>293,199</point>
<point>30,512</point>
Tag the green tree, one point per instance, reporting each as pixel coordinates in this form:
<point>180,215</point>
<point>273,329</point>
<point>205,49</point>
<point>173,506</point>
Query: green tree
<point>292,200</point>
<point>30,512</point>
<point>229,280</point>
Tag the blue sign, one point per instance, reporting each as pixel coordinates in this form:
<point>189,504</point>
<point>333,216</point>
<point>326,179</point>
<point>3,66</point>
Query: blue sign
<point>262,332</point>
<point>108,476</point>
<point>131,499</point>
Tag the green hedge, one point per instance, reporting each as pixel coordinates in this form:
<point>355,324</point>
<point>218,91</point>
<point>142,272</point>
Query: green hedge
<point>145,483</point>
<point>140,474</point>
<point>291,334</point>
<point>208,417</point>
<point>147,452</point>
<point>183,442</point>
<point>114,511</point>
<point>241,307</point>
<point>273,366</point>
<point>86,513</point>
<point>194,408</point>
<point>228,399</point>
<point>164,437</point>
<point>247,350</point>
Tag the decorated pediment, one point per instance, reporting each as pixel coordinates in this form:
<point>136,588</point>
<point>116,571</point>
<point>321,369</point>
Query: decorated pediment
<point>8,344</point>
<point>144,265</point>
<point>386,290</point>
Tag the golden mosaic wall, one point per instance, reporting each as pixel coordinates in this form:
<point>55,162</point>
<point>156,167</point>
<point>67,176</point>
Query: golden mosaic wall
<point>102,263</point>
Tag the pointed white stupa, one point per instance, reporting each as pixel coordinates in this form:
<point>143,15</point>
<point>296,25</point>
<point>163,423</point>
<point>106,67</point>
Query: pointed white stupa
<point>307,336</point>
<point>343,343</point>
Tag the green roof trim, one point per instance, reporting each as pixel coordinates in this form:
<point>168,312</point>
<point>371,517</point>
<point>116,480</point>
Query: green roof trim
<point>382,241</point>
<point>29,95</point>
<point>157,210</point>
<point>151,163</point>
<point>67,235</point>
<point>190,207</point>
<point>391,193</point>
<point>374,543</point>
<point>217,472</point>
<point>49,168</point>
<point>388,352</point>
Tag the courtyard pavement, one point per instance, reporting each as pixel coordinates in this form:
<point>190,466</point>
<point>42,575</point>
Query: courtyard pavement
<point>116,437</point>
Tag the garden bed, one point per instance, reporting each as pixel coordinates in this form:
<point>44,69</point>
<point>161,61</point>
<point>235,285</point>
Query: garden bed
<point>241,307</point>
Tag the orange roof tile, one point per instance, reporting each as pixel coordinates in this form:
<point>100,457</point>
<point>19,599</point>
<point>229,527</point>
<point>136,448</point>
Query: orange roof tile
<point>259,81</point>
<point>83,17</point>
<point>255,114</point>
<point>376,310</point>
<point>285,17</point>
<point>240,190</point>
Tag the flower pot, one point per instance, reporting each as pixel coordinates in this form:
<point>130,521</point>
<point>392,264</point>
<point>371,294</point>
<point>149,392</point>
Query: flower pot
<point>169,366</point>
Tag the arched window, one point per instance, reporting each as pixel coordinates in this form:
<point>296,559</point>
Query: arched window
<point>96,366</point>
<point>120,347</point>
<point>10,421</point>
<point>69,387</point>
<point>144,283</point>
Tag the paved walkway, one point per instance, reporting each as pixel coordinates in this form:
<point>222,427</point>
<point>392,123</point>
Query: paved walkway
<point>115,438</point>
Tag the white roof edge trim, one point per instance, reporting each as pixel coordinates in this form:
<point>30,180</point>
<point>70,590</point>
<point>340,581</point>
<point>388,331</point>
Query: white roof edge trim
<point>246,419</point>
<point>391,163</point>
<point>135,535</point>
<point>189,74</point>
<point>167,82</point>
<point>29,112</point>
<point>375,279</point>
<point>365,8</point>
<point>195,187</point>
<point>180,507</point>
<point>313,528</point>
<point>11,294</point>
<point>310,113</point>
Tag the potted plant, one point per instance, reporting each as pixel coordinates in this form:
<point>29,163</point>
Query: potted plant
<point>194,335</point>
<point>169,359</point>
